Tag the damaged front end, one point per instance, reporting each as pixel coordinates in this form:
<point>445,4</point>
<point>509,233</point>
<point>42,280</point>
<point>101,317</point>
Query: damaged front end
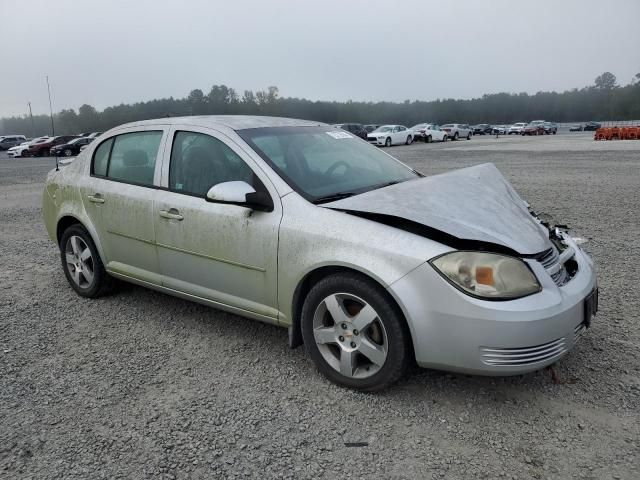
<point>559,260</point>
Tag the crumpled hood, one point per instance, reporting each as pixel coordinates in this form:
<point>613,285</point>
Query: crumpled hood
<point>470,204</point>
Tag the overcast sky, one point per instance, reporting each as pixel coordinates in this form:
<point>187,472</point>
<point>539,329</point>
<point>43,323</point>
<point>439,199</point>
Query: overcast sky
<point>109,52</point>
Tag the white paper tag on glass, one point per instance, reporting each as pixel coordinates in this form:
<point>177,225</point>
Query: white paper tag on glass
<point>338,135</point>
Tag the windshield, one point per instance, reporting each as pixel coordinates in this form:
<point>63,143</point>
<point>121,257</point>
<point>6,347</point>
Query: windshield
<point>383,129</point>
<point>419,126</point>
<point>321,163</point>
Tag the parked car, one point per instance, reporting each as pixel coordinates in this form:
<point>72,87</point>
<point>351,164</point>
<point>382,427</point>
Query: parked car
<point>366,261</point>
<point>42,149</point>
<point>388,135</point>
<point>8,141</point>
<point>371,128</point>
<point>356,128</point>
<point>533,128</point>
<point>499,130</point>
<point>72,147</point>
<point>429,132</point>
<point>516,128</point>
<point>592,126</point>
<point>21,150</point>
<point>95,134</point>
<point>575,128</point>
<point>457,130</point>
<point>550,128</point>
<point>482,129</point>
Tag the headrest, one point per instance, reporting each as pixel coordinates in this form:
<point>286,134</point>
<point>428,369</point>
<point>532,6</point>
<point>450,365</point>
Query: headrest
<point>135,158</point>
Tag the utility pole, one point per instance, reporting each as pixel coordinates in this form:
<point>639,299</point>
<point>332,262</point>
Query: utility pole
<point>53,133</point>
<point>33,128</point>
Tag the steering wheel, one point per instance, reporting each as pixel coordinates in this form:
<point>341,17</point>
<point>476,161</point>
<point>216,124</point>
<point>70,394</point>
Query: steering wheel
<point>335,166</point>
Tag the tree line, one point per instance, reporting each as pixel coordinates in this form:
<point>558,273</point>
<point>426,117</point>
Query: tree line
<point>604,100</point>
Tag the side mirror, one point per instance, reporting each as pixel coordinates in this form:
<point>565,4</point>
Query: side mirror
<point>240,193</point>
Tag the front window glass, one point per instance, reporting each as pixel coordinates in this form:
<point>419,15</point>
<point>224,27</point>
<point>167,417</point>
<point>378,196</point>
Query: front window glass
<point>320,163</point>
<point>199,161</point>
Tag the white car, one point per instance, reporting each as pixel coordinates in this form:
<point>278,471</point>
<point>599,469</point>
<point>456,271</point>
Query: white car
<point>387,135</point>
<point>457,130</point>
<point>18,151</point>
<point>429,132</point>
<point>516,128</point>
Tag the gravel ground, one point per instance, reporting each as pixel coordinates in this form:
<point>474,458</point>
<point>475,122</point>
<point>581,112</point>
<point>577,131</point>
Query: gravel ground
<point>140,384</point>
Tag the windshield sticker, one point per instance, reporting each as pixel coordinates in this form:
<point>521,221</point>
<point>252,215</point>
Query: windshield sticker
<point>338,135</point>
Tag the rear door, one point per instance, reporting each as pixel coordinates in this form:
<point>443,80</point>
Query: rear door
<point>119,197</point>
<point>219,252</point>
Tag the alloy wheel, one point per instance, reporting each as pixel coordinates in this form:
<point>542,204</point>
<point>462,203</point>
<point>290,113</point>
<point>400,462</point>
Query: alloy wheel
<point>350,336</point>
<point>79,261</point>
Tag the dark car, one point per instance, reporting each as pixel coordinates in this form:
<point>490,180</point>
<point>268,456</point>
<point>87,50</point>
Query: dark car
<point>43,149</point>
<point>482,129</point>
<point>356,128</point>
<point>550,128</point>
<point>575,128</point>
<point>71,148</point>
<point>591,126</point>
<point>534,128</point>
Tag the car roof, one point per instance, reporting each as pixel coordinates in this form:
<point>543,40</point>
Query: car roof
<point>234,122</point>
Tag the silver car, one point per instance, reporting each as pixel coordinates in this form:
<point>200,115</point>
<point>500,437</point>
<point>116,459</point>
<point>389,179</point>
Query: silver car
<point>364,260</point>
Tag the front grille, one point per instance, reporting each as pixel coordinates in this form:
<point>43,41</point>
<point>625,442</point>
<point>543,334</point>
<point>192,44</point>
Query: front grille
<point>561,267</point>
<point>371,139</point>
<point>514,357</point>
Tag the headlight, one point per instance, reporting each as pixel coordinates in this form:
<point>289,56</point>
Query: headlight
<point>487,275</point>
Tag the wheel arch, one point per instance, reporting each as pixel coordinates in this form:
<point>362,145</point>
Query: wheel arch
<point>67,220</point>
<point>312,277</point>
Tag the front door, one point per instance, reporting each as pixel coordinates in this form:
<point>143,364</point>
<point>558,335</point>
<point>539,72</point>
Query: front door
<point>220,252</point>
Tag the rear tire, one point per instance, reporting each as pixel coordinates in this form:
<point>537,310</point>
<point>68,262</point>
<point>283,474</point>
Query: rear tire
<point>82,264</point>
<point>468,136</point>
<point>370,359</point>
<point>427,139</point>
<point>409,140</point>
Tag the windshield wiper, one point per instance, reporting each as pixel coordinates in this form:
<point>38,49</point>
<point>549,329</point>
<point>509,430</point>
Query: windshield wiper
<point>333,197</point>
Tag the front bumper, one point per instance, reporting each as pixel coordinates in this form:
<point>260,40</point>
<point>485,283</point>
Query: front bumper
<point>453,331</point>
<point>14,153</point>
<point>375,141</point>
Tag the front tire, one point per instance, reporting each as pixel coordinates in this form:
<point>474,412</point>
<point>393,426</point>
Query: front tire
<point>468,136</point>
<point>387,142</point>
<point>455,136</point>
<point>354,334</point>
<point>82,264</point>
<point>67,152</point>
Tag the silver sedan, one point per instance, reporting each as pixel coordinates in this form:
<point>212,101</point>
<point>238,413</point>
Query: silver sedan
<point>364,260</point>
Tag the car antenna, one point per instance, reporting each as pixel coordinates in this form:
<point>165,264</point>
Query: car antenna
<point>53,132</point>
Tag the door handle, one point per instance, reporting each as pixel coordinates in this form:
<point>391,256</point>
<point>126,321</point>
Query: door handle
<point>171,214</point>
<point>95,198</point>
